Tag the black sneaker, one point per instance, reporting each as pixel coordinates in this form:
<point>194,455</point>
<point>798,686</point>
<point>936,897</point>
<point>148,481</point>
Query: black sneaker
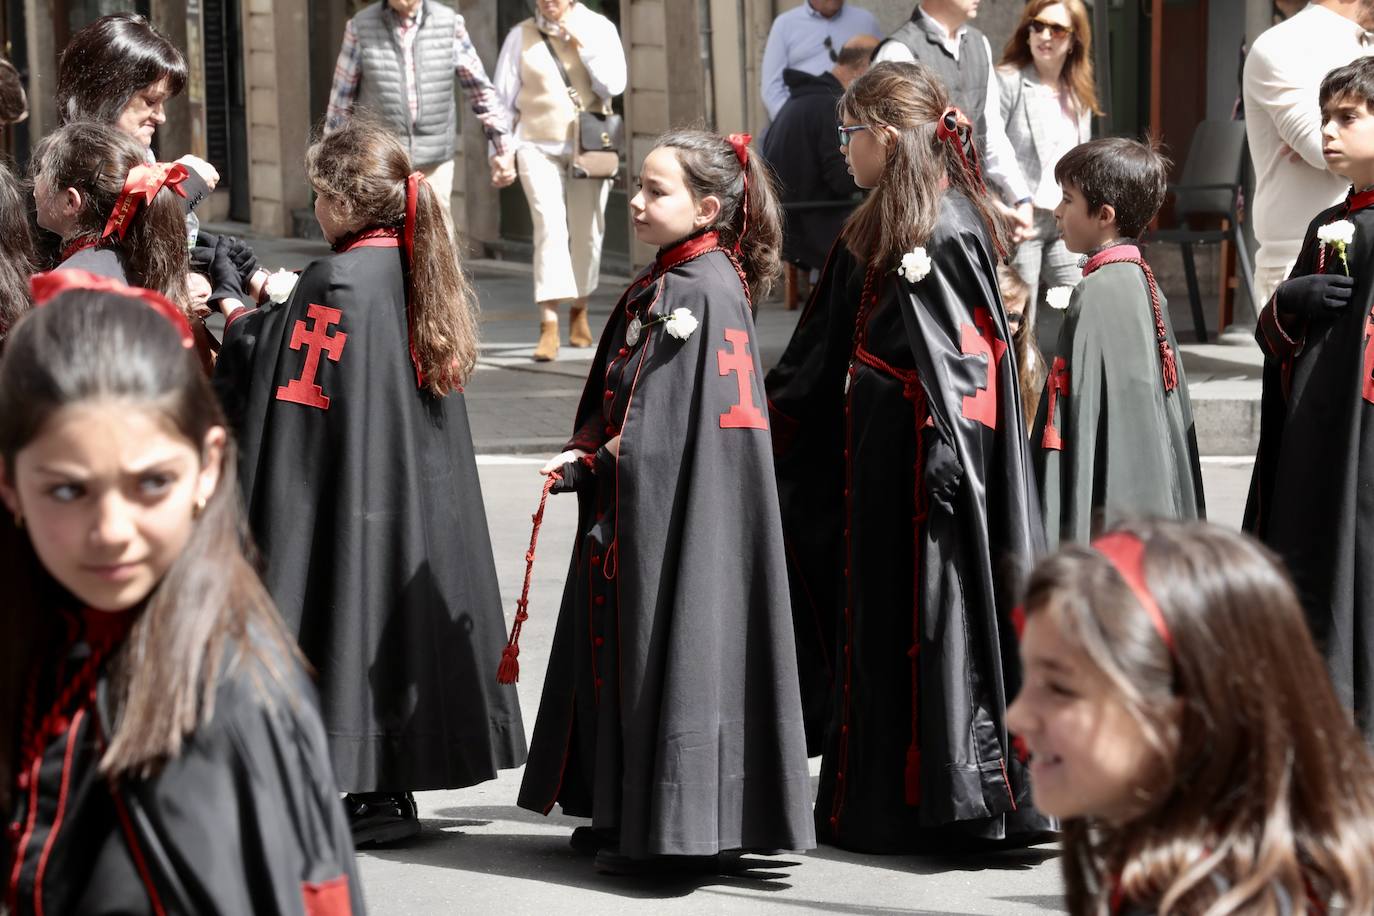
<point>381,817</point>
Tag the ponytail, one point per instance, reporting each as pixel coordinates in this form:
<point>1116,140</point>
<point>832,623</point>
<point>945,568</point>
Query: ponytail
<point>155,250</point>
<point>750,219</point>
<point>442,307</point>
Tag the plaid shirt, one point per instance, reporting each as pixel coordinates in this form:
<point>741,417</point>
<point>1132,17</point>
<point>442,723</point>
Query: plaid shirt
<point>472,76</point>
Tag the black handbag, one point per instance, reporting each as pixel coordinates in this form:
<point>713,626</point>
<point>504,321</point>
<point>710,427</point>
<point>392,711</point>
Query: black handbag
<point>598,137</point>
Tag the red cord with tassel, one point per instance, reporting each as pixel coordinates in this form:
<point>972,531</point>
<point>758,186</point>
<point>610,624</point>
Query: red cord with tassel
<point>508,672</point>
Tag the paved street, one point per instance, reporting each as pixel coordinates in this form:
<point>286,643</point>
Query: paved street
<point>480,853</point>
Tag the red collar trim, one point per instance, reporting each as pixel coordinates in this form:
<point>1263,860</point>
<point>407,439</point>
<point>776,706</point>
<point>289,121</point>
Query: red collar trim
<point>78,246</point>
<point>685,251</point>
<point>1111,256</point>
<point>107,628</point>
<point>1354,203</point>
<point>369,238</point>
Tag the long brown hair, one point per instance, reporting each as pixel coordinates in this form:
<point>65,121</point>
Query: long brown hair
<point>1030,365</point>
<point>363,168</point>
<point>900,213</point>
<point>16,251</point>
<point>1265,783</point>
<point>88,346</point>
<point>95,159</point>
<point>711,168</point>
<point>1078,66</point>
<point>105,63</point>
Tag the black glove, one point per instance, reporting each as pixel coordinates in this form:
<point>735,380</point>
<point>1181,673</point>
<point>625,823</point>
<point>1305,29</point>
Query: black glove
<point>244,259</point>
<point>581,474</point>
<point>943,473</point>
<point>1314,294</point>
<point>225,280</point>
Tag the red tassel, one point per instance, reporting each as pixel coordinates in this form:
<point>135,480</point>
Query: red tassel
<point>913,776</point>
<point>1166,359</point>
<point>508,672</point>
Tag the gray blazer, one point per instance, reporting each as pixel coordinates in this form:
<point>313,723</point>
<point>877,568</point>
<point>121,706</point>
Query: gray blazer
<point>1028,132</point>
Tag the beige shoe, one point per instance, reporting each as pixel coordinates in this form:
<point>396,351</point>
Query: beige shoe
<point>547,348</point>
<point>579,331</point>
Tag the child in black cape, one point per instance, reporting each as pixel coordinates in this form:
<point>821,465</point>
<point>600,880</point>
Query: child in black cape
<point>1310,498</point>
<point>907,495</point>
<point>362,487</point>
<point>1113,437</point>
<point>160,746</point>
<point>670,714</point>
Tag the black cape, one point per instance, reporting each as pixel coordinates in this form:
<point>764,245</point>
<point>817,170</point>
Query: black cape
<point>245,820</point>
<point>363,495</point>
<point>104,262</point>
<point>908,584</point>
<point>1312,494</point>
<point>1118,446</point>
<point>670,711</point>
<point>804,151</point>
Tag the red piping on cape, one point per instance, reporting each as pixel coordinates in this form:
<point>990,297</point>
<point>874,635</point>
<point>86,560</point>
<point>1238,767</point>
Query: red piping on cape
<point>135,850</point>
<point>60,815</point>
<point>1130,254</point>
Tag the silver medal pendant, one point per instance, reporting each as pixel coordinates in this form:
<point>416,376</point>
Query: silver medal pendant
<point>633,330</point>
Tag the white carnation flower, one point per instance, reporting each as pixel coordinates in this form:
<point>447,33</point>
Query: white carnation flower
<point>680,324</point>
<point>915,265</point>
<point>1341,232</point>
<point>1059,296</point>
<point>280,284</point>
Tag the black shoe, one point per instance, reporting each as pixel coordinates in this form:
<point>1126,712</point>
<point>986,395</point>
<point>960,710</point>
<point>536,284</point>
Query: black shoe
<point>588,841</point>
<point>381,817</point>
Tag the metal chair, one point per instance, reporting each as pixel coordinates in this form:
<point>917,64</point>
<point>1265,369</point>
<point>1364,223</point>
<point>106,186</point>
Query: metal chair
<point>1210,186</point>
<point>792,286</point>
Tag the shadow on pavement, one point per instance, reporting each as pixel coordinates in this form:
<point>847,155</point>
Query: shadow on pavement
<point>915,864</point>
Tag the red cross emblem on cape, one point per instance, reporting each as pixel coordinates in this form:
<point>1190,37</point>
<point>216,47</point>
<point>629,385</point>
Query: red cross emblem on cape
<point>316,340</point>
<point>738,360</point>
<point>1058,384</point>
<point>1368,386</point>
<point>982,404</point>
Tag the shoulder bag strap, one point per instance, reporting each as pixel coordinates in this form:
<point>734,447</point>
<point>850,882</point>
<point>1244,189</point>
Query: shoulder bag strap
<point>563,72</point>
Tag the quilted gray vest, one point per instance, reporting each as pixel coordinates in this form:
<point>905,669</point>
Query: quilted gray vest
<point>966,79</point>
<point>382,85</point>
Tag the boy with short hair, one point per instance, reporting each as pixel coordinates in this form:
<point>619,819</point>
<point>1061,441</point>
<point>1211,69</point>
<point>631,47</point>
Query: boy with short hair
<point>1113,436</point>
<point>1312,495</point>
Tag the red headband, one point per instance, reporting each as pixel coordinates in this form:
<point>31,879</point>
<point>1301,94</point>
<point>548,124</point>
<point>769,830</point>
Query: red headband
<point>140,187</point>
<point>740,144</point>
<point>1127,554</point>
<point>45,286</point>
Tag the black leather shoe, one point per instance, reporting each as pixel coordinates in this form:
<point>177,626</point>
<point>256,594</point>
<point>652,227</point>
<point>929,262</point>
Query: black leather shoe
<point>381,817</point>
<point>588,841</point>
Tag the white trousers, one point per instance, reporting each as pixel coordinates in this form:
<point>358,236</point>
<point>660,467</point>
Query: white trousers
<point>569,225</point>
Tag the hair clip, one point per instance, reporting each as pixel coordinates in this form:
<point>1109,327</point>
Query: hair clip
<point>46,286</point>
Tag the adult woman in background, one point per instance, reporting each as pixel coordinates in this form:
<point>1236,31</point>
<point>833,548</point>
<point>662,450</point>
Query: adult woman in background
<point>564,45</point>
<point>1048,99</point>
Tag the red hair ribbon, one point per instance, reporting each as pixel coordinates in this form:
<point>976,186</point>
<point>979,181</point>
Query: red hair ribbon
<point>740,144</point>
<point>45,286</point>
<point>1126,553</point>
<point>408,244</point>
<point>140,187</point>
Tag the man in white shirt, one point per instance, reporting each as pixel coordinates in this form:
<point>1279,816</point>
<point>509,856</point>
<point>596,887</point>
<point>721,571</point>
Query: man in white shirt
<point>940,37</point>
<point>1283,124</point>
<point>809,38</point>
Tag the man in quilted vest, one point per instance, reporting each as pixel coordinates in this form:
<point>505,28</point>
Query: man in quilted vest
<point>398,63</point>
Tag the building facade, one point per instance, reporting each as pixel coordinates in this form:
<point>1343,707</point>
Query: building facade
<point>261,73</point>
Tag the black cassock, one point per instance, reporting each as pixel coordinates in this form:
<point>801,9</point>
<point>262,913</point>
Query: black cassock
<point>363,496</point>
<point>1312,494</point>
<point>670,711</point>
<point>919,599</point>
<point>245,819</point>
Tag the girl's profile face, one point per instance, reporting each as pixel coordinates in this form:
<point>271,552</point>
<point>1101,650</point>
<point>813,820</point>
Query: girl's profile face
<point>664,210</point>
<point>56,208</point>
<point>1089,754</point>
<point>108,493</point>
<point>144,113</point>
<point>866,153</point>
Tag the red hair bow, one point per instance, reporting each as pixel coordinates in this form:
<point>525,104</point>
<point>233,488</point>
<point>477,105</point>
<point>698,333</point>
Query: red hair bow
<point>45,286</point>
<point>741,142</point>
<point>140,187</point>
<point>1126,552</point>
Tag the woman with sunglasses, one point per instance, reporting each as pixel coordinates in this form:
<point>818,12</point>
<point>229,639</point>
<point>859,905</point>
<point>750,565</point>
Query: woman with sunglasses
<point>1048,100</point>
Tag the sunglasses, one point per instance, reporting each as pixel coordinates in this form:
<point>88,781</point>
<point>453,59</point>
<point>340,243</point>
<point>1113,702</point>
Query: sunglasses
<point>830,49</point>
<point>846,132</point>
<point>1055,29</point>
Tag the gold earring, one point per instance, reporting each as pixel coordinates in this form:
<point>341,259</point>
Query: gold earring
<point>198,508</point>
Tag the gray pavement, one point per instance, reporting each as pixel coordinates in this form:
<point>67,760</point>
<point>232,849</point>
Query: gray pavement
<point>480,853</point>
